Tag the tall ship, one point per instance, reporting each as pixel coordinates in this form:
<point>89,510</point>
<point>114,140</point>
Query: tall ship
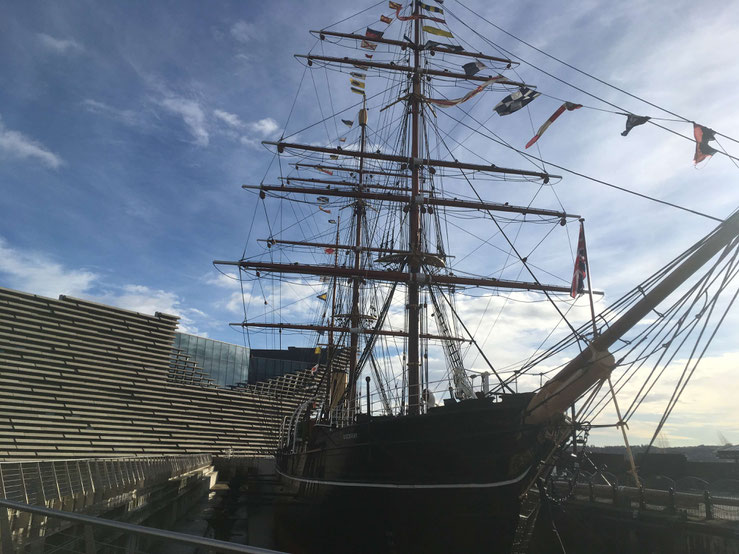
<point>394,247</point>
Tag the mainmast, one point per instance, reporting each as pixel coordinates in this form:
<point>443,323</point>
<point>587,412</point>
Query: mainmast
<point>414,246</point>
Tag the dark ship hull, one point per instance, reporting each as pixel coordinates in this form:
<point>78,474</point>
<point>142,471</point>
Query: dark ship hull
<point>445,481</point>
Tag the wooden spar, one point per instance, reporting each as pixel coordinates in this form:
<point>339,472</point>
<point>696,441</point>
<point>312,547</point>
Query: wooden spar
<point>369,172</point>
<point>343,183</point>
<point>393,276</point>
<point>407,69</point>
<point>448,202</point>
<point>414,231</point>
<point>409,161</point>
<point>338,329</point>
<point>595,363</point>
<point>405,44</point>
<point>348,247</point>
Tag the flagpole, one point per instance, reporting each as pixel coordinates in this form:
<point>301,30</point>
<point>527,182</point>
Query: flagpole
<point>587,274</point>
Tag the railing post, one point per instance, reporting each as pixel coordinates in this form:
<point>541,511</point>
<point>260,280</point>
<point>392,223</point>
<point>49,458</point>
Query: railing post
<point>6,538</point>
<point>614,492</point>
<point>709,504</point>
<point>89,540</point>
<point>671,501</point>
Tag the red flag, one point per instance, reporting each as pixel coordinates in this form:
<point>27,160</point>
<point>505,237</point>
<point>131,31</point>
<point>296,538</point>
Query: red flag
<point>569,106</point>
<point>386,19</point>
<point>581,266</point>
<point>327,171</point>
<point>702,149</point>
<point>329,250</point>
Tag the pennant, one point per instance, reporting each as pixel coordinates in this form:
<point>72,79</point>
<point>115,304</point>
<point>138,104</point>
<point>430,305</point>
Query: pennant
<point>342,139</point>
<point>329,250</point>
<point>444,103</point>
<point>367,45</point>
<point>433,44</point>
<point>472,68</point>
<point>368,56</point>
<point>395,6</point>
<point>430,8</point>
<point>332,221</point>
<point>317,350</point>
<point>355,83</point>
<point>324,209</point>
<point>314,369</point>
<point>569,106</point>
<point>581,266</point>
<point>322,199</point>
<point>358,75</point>
<point>359,66</point>
<point>634,121</point>
<point>334,156</point>
<point>702,149</point>
<point>372,34</point>
<point>323,296</point>
<point>386,19</point>
<point>515,101</point>
<point>358,91</point>
<point>326,171</point>
<point>416,16</point>
<point>438,32</point>
<point>347,122</point>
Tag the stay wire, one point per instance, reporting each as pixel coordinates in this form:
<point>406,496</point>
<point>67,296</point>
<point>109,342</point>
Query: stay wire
<point>571,67</point>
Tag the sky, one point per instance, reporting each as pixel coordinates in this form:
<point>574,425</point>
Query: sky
<point>127,130</point>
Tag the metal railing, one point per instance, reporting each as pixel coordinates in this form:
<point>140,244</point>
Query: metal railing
<point>89,544</point>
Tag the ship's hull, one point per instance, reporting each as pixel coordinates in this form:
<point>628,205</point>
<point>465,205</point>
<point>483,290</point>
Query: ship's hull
<point>446,481</point>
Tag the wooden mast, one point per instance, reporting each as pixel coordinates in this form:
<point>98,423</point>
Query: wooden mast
<point>414,245</point>
<point>356,281</point>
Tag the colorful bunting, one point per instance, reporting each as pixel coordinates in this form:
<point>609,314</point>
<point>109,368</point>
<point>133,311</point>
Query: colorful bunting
<point>358,75</point>
<point>702,149</point>
<point>581,266</point>
<point>386,19</point>
<point>395,6</point>
<point>347,122</point>
<point>342,139</point>
<point>322,199</point>
<point>438,32</point>
<point>633,121</point>
<point>329,250</point>
<point>334,156</point>
<point>569,106</point>
<point>367,45</point>
<point>515,101</point>
<point>355,83</point>
<point>368,56</point>
<point>472,68</point>
<point>444,103</point>
<point>430,8</point>
<point>358,91</point>
<point>326,171</point>
<point>372,34</point>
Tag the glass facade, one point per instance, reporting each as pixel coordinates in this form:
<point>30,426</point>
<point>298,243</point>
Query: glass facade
<point>226,363</point>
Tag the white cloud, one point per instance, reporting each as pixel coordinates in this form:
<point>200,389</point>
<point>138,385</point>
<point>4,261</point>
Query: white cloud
<point>128,117</point>
<point>243,31</point>
<point>38,273</point>
<point>18,145</point>
<point>228,118</point>
<point>192,115</point>
<point>35,272</point>
<point>266,127</point>
<point>60,46</point>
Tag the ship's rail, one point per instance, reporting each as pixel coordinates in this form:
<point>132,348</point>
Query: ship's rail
<point>703,505</point>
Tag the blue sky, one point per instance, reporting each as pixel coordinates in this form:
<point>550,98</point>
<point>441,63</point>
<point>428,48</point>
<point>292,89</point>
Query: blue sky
<point>126,130</point>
